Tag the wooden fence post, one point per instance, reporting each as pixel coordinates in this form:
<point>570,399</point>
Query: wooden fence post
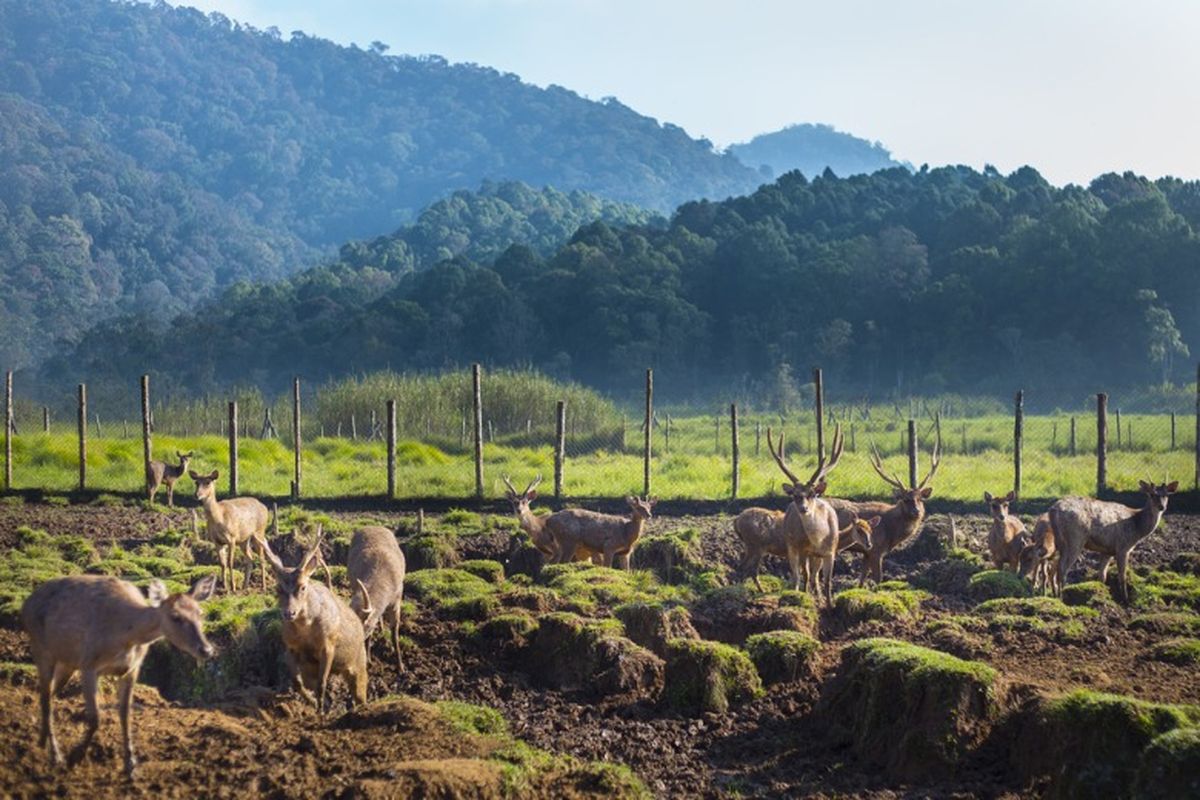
<point>477,405</point>
<point>233,448</point>
<point>819,385</point>
<point>733,428</point>
<point>1118,429</point>
<point>82,436</point>
<point>1196,443</point>
<point>296,442</point>
<point>45,419</point>
<point>1172,430</point>
<point>717,434</point>
<point>912,452</point>
<point>1101,443</point>
<point>560,449</point>
<point>147,442</point>
<point>647,444</point>
<point>8,430</point>
<point>757,437</point>
<point>391,449</point>
<point>1018,434</point>
<point>1073,450</point>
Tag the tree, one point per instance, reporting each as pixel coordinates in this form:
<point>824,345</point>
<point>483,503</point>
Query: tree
<point>1162,336</point>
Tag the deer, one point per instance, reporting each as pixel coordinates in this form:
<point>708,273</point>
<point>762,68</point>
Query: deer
<point>232,524</point>
<point>159,473</point>
<point>761,532</point>
<point>899,521</point>
<point>100,625</point>
<point>321,634</point>
<point>810,525</point>
<point>1036,559</point>
<point>1110,529</point>
<point>375,567</point>
<point>613,537</point>
<point>536,527</point>
<point>1007,536</point>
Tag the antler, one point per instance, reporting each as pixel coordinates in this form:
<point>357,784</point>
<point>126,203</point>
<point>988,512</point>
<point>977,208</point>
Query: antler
<point>533,484</point>
<point>778,454</point>
<point>937,459</point>
<point>512,489</point>
<point>877,463</point>
<point>823,468</point>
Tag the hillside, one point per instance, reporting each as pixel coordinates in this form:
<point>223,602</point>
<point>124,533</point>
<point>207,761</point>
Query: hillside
<point>812,149</point>
<point>151,156</point>
<point>939,280</point>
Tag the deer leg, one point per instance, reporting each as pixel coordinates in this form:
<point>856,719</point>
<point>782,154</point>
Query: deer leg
<point>798,567</point>
<point>610,555</point>
<point>828,567</point>
<point>597,559</point>
<point>124,704</point>
<point>50,676</point>
<point>877,569</point>
<point>1122,564</point>
<point>324,667</point>
<point>262,562</point>
<point>1065,561</point>
<point>394,618</point>
<point>170,495</point>
<point>91,712</point>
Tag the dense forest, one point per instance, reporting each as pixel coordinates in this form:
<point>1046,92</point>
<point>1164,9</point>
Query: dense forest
<point>812,149</point>
<point>940,280</point>
<point>151,155</point>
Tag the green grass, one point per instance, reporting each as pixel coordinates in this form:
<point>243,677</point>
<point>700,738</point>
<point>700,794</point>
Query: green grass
<point>437,464</point>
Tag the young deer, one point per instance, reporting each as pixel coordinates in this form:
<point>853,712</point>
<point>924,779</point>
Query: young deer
<point>536,527</point>
<point>761,532</point>
<point>1007,536</point>
<point>159,473</point>
<point>322,635</point>
<point>100,625</point>
<point>899,521</point>
<point>576,529</point>
<point>375,568</point>
<point>1036,560</point>
<point>231,524</point>
<point>810,524</point>
<point>1111,529</point>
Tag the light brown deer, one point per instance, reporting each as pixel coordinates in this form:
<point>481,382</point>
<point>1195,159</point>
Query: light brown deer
<point>535,526</point>
<point>810,524</point>
<point>614,537</point>
<point>899,521</point>
<point>1111,529</point>
<point>99,625</point>
<point>375,567</point>
<point>238,522</point>
<point>1007,536</point>
<point>1036,560</point>
<point>159,473</point>
<point>761,532</point>
<point>321,633</point>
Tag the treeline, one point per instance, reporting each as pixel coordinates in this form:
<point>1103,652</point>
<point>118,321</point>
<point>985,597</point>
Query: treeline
<point>898,282</point>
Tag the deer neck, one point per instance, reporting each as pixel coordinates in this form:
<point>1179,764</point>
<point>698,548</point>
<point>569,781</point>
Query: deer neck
<point>531,523</point>
<point>213,510</point>
<point>1145,520</point>
<point>147,625</point>
<point>633,528</point>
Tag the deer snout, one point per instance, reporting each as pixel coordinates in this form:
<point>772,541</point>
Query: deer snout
<point>207,650</point>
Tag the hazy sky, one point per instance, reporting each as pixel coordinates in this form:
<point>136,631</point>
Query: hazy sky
<point>1073,87</point>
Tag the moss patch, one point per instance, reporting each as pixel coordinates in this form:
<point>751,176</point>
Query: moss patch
<point>1088,593</point>
<point>429,552</point>
<point>1045,608</point>
<point>652,625</point>
<point>855,606</point>
<point>453,593</point>
<point>708,676</point>
<point>992,583</point>
<point>1182,651</point>
<point>570,652</point>
<point>729,614</point>
<point>782,656</point>
<point>490,571</point>
<point>674,557</point>
<point>909,709</point>
<point>1170,766</point>
<point>584,587</point>
<point>1175,623</point>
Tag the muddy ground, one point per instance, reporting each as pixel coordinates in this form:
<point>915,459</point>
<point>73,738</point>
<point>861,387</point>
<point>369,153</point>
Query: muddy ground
<point>258,742</point>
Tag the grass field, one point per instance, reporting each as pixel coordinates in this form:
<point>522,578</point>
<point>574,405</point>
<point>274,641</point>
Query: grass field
<point>977,456</point>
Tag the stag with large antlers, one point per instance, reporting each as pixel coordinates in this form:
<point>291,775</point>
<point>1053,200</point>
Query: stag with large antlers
<point>899,521</point>
<point>810,525</point>
<point>536,526</point>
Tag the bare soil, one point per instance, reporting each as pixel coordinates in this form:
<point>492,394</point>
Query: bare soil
<point>262,743</point>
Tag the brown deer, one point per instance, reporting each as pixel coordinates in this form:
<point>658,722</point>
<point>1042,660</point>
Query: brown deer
<point>375,567</point>
<point>1007,536</point>
<point>232,524</point>
<point>1036,559</point>
<point>159,473</point>
<point>1111,529</point>
<point>535,526</point>
<point>810,524</point>
<point>614,537</point>
<point>99,625</point>
<point>899,521</point>
<point>321,633</point>
<point>761,532</point>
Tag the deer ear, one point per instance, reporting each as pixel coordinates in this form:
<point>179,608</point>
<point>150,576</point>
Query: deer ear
<point>532,495</point>
<point>156,592</point>
<point>1145,487</point>
<point>987,497</point>
<point>897,494</point>
<point>193,474</point>
<point>215,474</point>
<point>203,588</point>
<point>926,492</point>
<point>820,488</point>
<point>631,501</point>
<point>874,521</point>
<point>1010,497</point>
<point>1172,486</point>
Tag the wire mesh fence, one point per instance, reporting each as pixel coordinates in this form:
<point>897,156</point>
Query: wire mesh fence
<point>429,437</point>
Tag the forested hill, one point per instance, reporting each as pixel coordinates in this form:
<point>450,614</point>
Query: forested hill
<point>812,149</point>
<point>945,279</point>
<point>151,155</point>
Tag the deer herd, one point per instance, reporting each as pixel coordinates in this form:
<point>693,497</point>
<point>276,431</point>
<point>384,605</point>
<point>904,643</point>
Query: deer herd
<point>99,625</point>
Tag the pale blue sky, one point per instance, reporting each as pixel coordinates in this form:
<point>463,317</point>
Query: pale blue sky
<point>1073,87</point>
